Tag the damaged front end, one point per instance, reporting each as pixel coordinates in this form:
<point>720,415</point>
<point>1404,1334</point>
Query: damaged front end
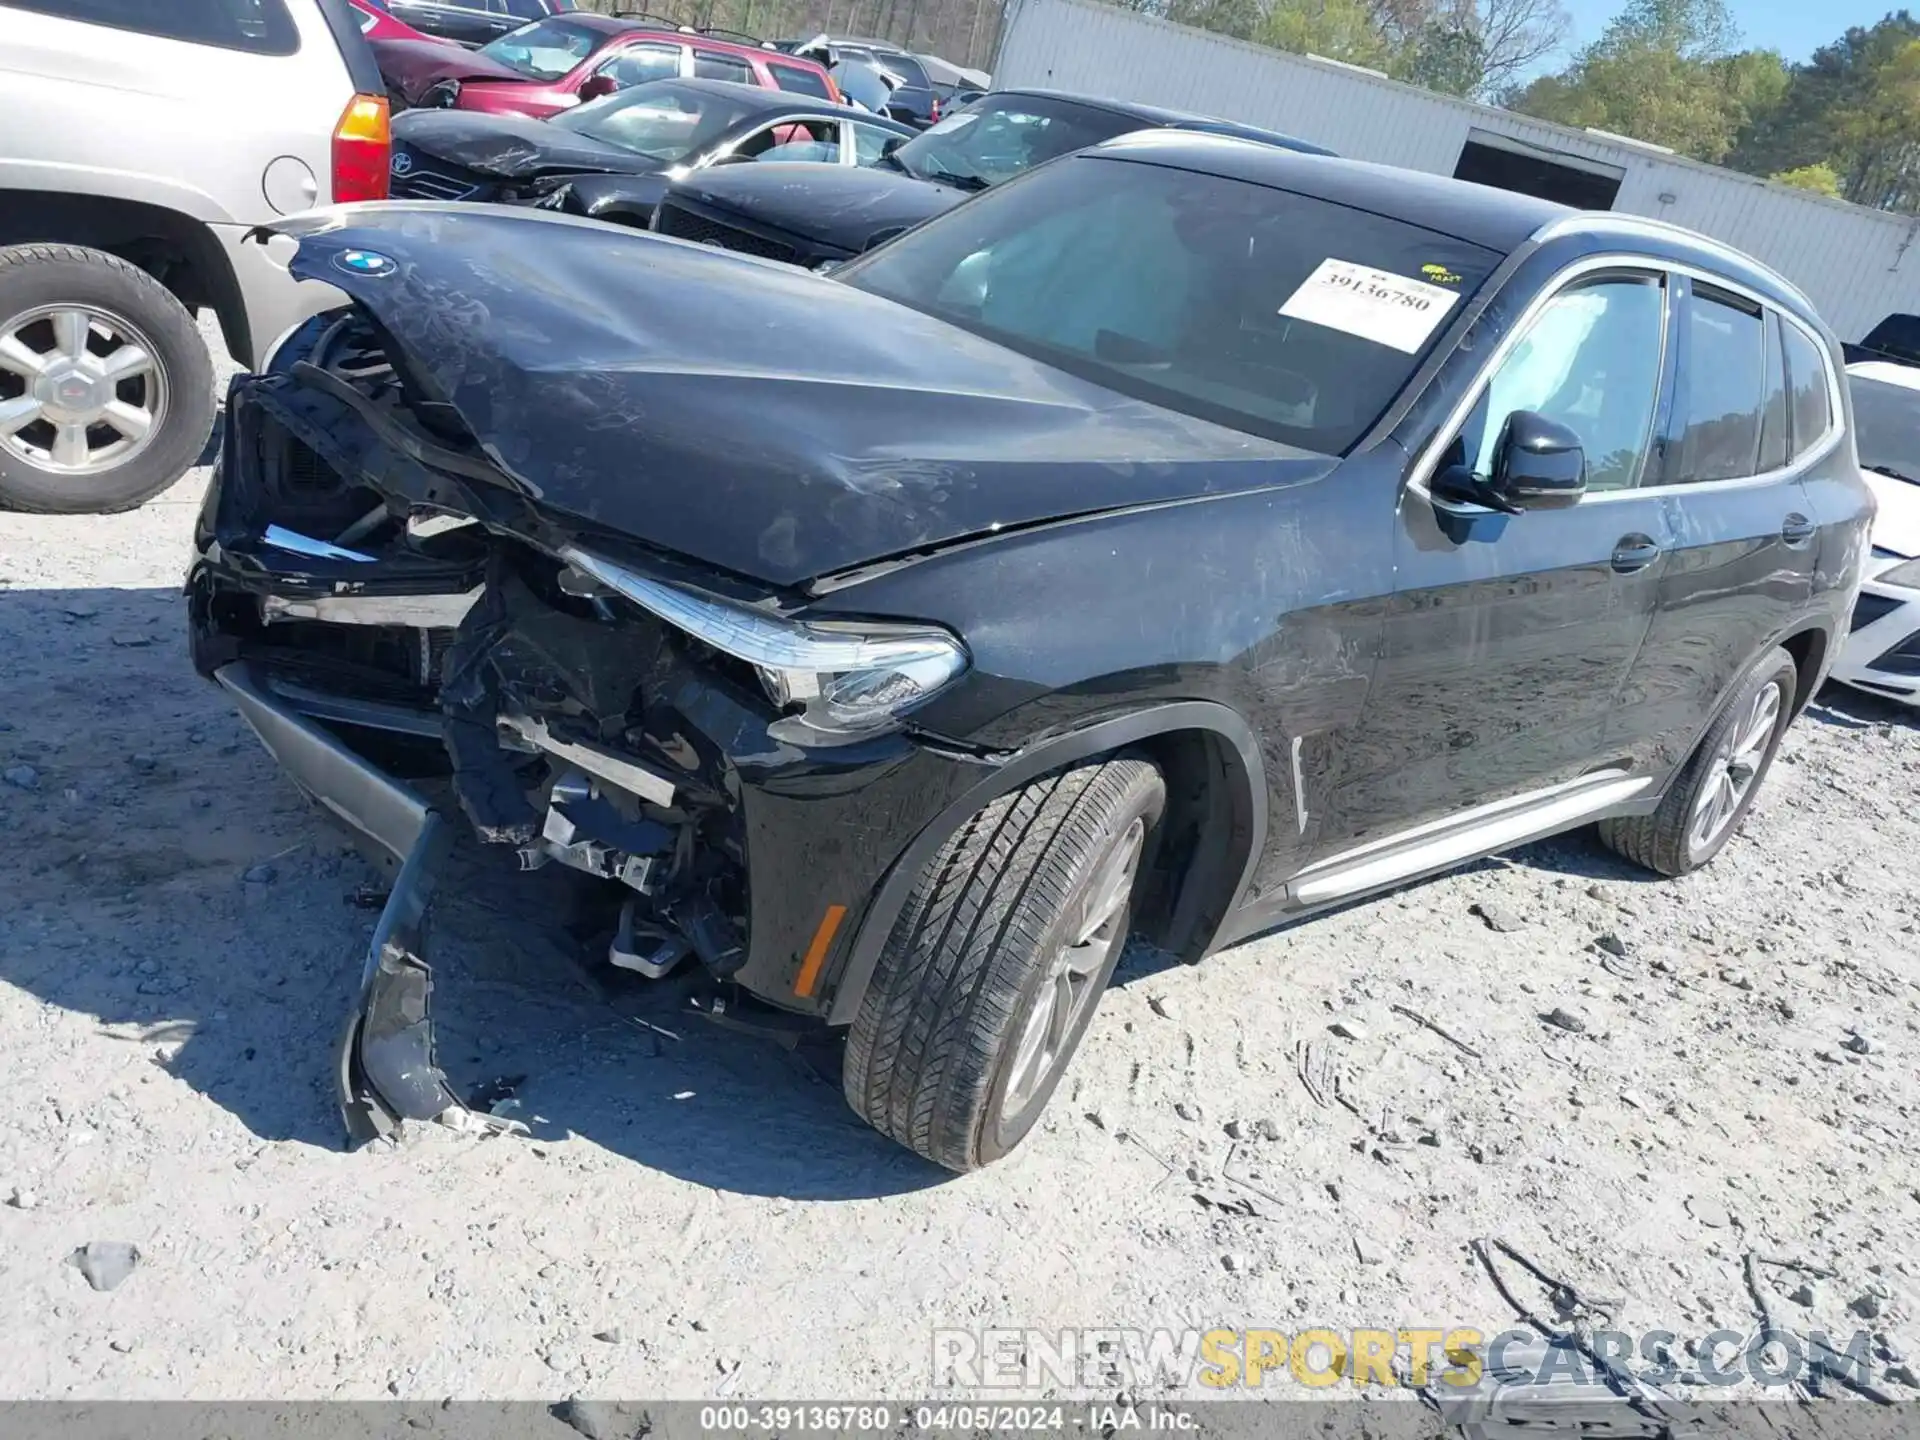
<point>400,616</point>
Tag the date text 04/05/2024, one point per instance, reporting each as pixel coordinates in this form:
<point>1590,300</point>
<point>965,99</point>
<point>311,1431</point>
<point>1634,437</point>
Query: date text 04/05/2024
<point>962,1418</point>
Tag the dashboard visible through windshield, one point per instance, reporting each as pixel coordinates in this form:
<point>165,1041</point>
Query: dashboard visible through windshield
<point>546,49</point>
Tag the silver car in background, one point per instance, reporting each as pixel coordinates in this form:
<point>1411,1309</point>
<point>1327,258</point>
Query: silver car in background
<point>139,146</point>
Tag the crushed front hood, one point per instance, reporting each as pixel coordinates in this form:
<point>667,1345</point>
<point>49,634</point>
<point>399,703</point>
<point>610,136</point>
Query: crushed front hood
<point>833,205</point>
<point>413,65</point>
<point>512,147</point>
<point>759,418</point>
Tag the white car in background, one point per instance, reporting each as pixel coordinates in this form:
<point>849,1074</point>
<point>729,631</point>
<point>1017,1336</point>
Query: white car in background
<point>1882,653</point>
<point>141,141</point>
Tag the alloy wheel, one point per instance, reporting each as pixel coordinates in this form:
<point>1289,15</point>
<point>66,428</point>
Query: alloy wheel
<point>1735,766</point>
<point>1073,975</point>
<point>81,389</point>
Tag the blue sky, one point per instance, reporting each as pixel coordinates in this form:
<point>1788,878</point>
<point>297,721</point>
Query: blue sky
<point>1793,27</point>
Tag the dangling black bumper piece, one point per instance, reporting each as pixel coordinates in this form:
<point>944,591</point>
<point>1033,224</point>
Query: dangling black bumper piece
<point>385,1065</point>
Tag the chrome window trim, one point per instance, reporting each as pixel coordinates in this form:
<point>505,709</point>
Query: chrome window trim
<point>615,52</point>
<point>1428,458</point>
<point>1612,223</point>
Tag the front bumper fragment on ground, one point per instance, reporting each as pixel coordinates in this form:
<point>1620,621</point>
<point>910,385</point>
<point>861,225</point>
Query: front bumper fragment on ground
<point>386,1068</point>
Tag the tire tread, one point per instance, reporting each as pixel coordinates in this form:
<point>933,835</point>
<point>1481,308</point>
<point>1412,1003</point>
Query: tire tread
<point>922,1052</point>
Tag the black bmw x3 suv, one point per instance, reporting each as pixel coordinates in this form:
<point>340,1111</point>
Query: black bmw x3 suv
<point>1179,538</point>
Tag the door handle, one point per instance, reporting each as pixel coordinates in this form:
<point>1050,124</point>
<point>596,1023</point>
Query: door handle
<point>1796,530</point>
<point>1634,552</point>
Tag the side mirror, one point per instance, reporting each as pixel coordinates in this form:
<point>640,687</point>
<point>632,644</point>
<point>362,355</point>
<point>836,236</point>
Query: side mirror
<point>894,142</point>
<point>1539,465</point>
<point>597,87</point>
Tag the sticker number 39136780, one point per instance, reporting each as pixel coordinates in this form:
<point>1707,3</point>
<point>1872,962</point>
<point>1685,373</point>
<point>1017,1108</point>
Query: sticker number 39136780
<point>1376,305</point>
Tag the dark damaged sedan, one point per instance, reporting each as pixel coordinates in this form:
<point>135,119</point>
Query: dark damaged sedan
<point>613,158</point>
<point>1183,537</point>
<point>811,217</point>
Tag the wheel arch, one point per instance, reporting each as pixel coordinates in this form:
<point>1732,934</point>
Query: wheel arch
<point>176,249</point>
<point>1216,794</point>
<point>1811,644</point>
<point>1811,648</point>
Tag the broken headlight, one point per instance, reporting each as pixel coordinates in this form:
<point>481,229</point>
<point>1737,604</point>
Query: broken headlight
<point>842,681</point>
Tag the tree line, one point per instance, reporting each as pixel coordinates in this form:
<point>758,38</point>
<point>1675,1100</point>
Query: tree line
<point>1844,123</point>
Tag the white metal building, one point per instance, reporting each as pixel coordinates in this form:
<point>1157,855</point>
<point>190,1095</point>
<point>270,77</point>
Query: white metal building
<point>1853,262</point>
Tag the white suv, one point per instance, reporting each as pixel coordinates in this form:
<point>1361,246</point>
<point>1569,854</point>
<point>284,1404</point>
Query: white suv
<point>140,142</point>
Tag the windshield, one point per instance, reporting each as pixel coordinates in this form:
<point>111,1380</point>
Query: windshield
<point>662,120</point>
<point>1004,135</point>
<point>546,49</point>
<point>1886,427</point>
<point>1275,313</point>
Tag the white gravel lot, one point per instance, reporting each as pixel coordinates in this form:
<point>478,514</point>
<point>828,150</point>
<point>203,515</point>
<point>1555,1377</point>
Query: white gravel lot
<point>167,1030</point>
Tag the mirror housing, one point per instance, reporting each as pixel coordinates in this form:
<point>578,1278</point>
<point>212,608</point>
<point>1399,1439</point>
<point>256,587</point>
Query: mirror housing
<point>1538,465</point>
<point>597,87</point>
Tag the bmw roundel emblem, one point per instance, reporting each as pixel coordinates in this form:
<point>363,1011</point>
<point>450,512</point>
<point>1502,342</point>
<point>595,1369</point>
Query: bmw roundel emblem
<point>365,262</point>
<point>402,163</point>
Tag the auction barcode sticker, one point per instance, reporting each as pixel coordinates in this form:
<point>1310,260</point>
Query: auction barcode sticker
<point>1376,305</point>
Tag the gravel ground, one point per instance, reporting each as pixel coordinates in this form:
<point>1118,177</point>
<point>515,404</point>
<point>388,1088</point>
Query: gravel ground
<point>702,1216</point>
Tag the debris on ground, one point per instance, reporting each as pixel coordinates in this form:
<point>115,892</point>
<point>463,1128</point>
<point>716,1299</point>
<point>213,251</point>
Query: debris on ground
<point>1562,1018</point>
<point>1445,1034</point>
<point>1497,916</point>
<point>106,1263</point>
<point>1708,1212</point>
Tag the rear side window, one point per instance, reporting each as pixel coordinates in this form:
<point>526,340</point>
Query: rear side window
<point>801,82</point>
<point>1807,387</point>
<point>905,66</point>
<point>261,26</point>
<point>1886,426</point>
<point>709,66</point>
<point>638,64</point>
<point>1773,409</point>
<point>1726,380</point>
<point>1279,314</point>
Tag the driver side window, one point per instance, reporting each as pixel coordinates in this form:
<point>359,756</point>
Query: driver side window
<point>815,141</point>
<point>1591,361</point>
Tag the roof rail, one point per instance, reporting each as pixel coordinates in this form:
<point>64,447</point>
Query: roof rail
<point>739,37</point>
<point>662,21</point>
<point>1622,222</point>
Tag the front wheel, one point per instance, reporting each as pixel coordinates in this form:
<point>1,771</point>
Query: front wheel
<point>993,970</point>
<point>1713,792</point>
<point>106,388</point>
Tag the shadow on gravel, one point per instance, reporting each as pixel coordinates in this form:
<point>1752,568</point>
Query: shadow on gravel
<point>1846,708</point>
<point>163,876</point>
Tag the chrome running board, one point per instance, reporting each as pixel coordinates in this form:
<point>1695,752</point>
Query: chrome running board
<point>1483,830</point>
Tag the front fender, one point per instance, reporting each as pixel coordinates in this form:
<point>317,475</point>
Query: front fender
<point>617,199</point>
<point>1209,893</point>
